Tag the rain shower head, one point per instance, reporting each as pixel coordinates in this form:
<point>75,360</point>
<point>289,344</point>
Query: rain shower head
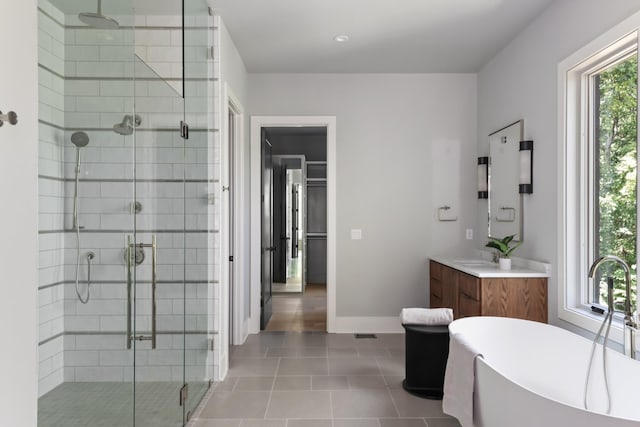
<point>80,139</point>
<point>127,124</point>
<point>98,20</point>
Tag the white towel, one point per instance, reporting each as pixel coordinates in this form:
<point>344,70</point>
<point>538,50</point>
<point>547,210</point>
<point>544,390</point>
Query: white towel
<point>459,380</point>
<point>426,316</point>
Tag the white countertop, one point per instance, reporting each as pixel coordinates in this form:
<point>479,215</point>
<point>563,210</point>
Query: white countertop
<point>482,268</point>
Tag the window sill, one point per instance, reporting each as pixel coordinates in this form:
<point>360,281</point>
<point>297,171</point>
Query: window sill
<point>584,318</point>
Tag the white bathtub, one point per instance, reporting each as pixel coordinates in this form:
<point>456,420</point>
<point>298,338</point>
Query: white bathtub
<point>533,374</point>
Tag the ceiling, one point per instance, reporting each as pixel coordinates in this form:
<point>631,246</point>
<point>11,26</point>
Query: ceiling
<point>392,36</point>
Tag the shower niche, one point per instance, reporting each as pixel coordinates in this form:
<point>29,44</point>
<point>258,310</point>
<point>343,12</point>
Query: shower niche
<point>127,295</point>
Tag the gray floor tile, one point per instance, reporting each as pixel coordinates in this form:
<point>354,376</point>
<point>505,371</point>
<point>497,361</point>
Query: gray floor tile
<point>292,383</point>
<point>343,352</point>
<point>354,366</point>
<point>368,381</point>
<point>282,352</point>
<point>263,423</point>
<point>211,422</point>
<point>341,341</point>
<point>303,366</point>
<point>442,422</point>
<point>306,340</point>
<point>266,339</point>
<point>391,365</point>
<point>366,403</point>
<point>312,352</point>
<point>309,423</point>
<point>299,404</point>
<point>412,406</point>
<point>254,384</point>
<point>402,422</point>
<point>238,404</point>
<point>253,367</point>
<point>227,385</point>
<point>364,422</point>
<point>248,351</point>
<point>329,382</point>
<point>374,352</point>
<point>394,381</point>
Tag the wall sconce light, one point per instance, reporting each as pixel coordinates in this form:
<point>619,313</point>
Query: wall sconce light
<point>526,167</point>
<point>483,177</point>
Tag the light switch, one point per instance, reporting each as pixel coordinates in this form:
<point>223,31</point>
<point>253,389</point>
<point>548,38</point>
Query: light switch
<point>356,234</point>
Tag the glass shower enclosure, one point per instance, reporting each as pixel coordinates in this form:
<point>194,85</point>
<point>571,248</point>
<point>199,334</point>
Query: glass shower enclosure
<point>127,238</point>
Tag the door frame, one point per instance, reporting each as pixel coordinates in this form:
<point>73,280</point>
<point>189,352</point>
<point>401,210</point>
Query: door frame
<point>257,123</point>
<point>232,297</point>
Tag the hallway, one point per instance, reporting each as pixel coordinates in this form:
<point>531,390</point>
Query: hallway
<point>294,379</point>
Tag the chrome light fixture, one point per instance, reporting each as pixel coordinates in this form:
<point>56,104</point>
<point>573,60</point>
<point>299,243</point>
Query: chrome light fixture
<point>526,167</point>
<point>483,177</point>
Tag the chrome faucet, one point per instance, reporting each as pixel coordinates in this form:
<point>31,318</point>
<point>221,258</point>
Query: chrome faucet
<point>630,323</point>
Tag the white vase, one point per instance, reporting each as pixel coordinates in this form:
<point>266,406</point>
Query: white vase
<point>505,263</point>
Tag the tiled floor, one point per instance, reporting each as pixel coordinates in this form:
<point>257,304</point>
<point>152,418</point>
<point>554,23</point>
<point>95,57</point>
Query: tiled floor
<point>298,379</point>
<point>300,312</point>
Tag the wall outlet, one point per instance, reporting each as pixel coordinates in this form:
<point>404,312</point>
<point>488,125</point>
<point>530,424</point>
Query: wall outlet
<point>469,234</point>
<point>356,234</point>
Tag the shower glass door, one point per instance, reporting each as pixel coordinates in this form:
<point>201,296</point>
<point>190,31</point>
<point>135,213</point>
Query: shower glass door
<point>156,254</point>
<point>200,201</point>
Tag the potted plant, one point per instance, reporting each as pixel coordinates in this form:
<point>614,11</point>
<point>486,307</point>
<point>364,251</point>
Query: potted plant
<point>504,247</point>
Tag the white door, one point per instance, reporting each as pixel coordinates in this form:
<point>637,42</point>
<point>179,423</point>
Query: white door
<point>19,213</point>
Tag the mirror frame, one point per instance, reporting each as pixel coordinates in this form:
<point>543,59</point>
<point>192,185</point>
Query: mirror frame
<point>519,217</point>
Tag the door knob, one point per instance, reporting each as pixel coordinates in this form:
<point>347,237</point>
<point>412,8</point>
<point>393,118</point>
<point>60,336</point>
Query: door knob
<point>10,117</point>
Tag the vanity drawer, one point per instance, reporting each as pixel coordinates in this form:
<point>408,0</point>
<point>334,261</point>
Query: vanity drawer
<point>468,307</point>
<point>469,286</point>
<point>436,289</point>
<point>435,270</point>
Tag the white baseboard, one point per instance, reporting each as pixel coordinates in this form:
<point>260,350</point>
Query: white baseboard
<point>368,325</point>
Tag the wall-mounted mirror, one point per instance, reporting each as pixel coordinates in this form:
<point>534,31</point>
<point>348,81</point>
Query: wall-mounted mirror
<point>505,202</point>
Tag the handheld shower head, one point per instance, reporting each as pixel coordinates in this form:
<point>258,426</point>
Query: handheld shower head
<point>80,139</point>
<point>98,20</point>
<point>127,124</point>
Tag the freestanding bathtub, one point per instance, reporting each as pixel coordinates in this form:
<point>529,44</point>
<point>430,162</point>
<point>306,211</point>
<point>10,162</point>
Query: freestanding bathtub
<point>533,374</point>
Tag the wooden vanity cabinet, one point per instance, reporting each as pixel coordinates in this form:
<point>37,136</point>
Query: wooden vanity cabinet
<point>517,297</point>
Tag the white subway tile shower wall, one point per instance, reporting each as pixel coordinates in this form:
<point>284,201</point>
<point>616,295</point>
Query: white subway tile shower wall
<point>89,90</point>
<point>51,199</point>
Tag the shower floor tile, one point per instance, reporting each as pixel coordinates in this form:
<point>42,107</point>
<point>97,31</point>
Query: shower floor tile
<point>106,404</point>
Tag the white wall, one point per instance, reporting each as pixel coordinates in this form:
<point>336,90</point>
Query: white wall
<point>405,146</point>
<point>521,83</point>
<point>19,191</point>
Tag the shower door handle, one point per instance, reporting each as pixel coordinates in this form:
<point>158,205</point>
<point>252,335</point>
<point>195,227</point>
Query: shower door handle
<point>154,281</point>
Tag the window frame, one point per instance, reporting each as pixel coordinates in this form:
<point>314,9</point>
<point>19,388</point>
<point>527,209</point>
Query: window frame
<point>576,186</point>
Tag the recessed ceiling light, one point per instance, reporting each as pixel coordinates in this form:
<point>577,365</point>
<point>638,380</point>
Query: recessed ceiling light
<point>341,38</point>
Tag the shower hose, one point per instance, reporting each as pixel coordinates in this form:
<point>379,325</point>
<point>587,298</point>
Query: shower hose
<point>607,321</point>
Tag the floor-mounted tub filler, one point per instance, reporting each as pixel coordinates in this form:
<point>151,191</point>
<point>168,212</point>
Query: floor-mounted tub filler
<point>530,374</point>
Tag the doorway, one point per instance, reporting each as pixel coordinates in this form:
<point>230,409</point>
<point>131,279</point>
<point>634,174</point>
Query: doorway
<point>257,125</point>
<point>295,254</point>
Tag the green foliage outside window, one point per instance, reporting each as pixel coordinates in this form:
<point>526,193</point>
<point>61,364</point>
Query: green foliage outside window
<point>616,174</point>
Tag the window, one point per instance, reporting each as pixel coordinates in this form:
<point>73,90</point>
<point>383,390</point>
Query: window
<point>613,106</point>
<point>598,169</point>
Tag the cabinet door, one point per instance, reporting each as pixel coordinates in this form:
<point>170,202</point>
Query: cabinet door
<point>450,289</point>
<point>468,307</point>
<point>435,285</point>
<point>468,296</point>
<point>519,298</point>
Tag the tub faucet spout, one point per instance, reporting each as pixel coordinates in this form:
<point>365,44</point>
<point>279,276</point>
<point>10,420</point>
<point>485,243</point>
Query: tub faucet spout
<point>630,320</point>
